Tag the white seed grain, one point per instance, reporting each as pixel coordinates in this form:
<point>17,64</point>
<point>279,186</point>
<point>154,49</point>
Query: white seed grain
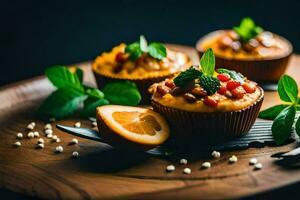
<point>206,165</point>
<point>54,137</point>
<point>258,166</point>
<point>48,131</point>
<point>216,154</point>
<point>30,127</point>
<point>40,145</point>
<point>183,161</point>
<point>77,124</point>
<point>36,134</point>
<point>94,124</point>
<point>75,154</point>
<point>49,136</point>
<point>233,159</point>
<point>170,168</point>
<point>19,135</point>
<point>187,170</point>
<point>59,149</point>
<point>48,126</point>
<point>74,141</point>
<point>40,141</point>
<point>252,161</point>
<point>17,144</point>
<point>30,134</point>
<point>57,140</point>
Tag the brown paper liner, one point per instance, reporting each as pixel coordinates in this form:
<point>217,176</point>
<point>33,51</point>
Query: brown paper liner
<point>197,128</point>
<point>262,71</point>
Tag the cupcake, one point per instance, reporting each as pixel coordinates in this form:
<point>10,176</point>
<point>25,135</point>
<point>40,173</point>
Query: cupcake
<point>204,106</point>
<point>139,62</point>
<point>260,55</point>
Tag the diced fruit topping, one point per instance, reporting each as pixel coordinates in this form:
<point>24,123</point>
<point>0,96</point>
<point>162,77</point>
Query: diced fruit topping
<point>162,90</point>
<point>222,90</point>
<point>232,84</point>
<point>238,92</point>
<point>199,92</point>
<point>223,77</point>
<point>249,87</point>
<point>210,84</point>
<point>120,57</point>
<point>189,97</point>
<point>210,101</point>
<point>169,83</point>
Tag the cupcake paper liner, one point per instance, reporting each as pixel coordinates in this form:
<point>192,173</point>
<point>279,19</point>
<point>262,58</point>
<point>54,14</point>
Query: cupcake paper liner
<point>198,128</point>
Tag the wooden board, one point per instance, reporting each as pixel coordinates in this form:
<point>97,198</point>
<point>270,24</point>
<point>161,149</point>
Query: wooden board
<point>103,173</point>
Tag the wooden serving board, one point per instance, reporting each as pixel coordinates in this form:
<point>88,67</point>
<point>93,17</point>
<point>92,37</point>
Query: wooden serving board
<point>103,173</point>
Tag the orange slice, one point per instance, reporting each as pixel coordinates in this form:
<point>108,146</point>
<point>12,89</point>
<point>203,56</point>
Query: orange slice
<point>134,124</point>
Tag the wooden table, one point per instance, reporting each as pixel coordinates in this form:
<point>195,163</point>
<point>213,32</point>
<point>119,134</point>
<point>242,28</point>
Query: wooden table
<point>101,172</point>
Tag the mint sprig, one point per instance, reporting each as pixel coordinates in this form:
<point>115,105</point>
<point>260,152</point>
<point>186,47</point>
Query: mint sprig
<point>284,114</point>
<point>187,76</point>
<point>154,49</point>
<point>247,29</point>
<point>72,95</point>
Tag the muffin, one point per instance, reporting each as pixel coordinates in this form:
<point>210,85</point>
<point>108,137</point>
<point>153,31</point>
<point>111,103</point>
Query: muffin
<point>205,107</point>
<point>139,62</point>
<point>260,55</point>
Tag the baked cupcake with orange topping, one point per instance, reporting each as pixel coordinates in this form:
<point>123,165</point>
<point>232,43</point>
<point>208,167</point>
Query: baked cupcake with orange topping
<point>139,62</point>
<point>260,55</point>
<point>207,107</point>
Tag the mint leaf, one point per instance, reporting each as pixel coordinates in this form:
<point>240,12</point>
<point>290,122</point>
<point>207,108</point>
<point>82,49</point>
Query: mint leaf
<point>207,62</point>
<point>157,50</point>
<point>62,77</point>
<point>187,76</point>
<point>288,89</point>
<point>143,44</point>
<point>122,93</point>
<point>134,50</point>
<point>210,84</point>
<point>62,103</point>
<point>298,126</point>
<point>247,29</point>
<point>233,74</point>
<point>282,125</point>
<point>90,106</point>
<point>94,92</point>
<point>272,112</point>
<point>79,74</point>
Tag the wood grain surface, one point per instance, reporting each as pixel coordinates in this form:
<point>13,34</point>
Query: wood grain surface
<point>101,172</point>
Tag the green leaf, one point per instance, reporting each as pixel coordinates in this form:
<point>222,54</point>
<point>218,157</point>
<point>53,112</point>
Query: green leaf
<point>143,44</point>
<point>62,103</point>
<point>94,92</point>
<point>62,77</point>
<point>134,50</point>
<point>187,76</point>
<point>79,73</point>
<point>157,50</point>
<point>247,29</point>
<point>287,89</point>
<point>207,62</point>
<point>233,74</point>
<point>282,125</point>
<point>122,93</point>
<point>272,112</point>
<point>210,84</point>
<point>298,126</point>
<point>90,106</point>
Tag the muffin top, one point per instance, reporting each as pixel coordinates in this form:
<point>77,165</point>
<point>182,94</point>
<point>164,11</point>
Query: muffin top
<point>202,89</point>
<point>246,41</point>
<point>140,61</point>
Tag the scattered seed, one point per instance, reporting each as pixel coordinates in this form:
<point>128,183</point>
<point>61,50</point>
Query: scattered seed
<point>187,170</point>
<point>57,140</point>
<point>49,136</point>
<point>19,135</point>
<point>30,134</point>
<point>77,124</point>
<point>170,168</point>
<point>216,154</point>
<point>233,159</point>
<point>17,144</point>
<point>258,166</point>
<point>48,126</point>
<point>206,165</point>
<point>54,137</point>
<point>40,141</point>
<point>48,131</point>
<point>36,134</point>
<point>94,124</point>
<point>40,145</point>
<point>30,127</point>
<point>59,149</point>
<point>74,141</point>
<point>75,154</point>
<point>183,161</point>
<point>252,161</point>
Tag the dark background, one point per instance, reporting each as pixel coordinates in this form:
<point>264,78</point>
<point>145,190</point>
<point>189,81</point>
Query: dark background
<point>38,34</point>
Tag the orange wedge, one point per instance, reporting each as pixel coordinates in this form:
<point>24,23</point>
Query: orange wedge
<point>134,126</point>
